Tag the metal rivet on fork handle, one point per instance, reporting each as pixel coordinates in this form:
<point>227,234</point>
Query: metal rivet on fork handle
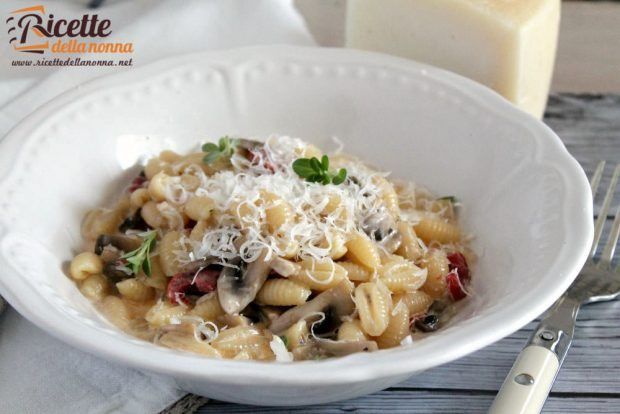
<point>547,335</point>
<point>524,379</point>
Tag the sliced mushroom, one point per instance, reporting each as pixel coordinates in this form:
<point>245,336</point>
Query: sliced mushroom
<point>261,314</point>
<point>323,348</point>
<point>120,242</point>
<point>237,287</point>
<point>428,323</point>
<point>203,280</point>
<point>110,248</point>
<point>270,313</point>
<point>115,271</point>
<point>134,222</point>
<point>194,278</point>
<point>382,228</point>
<point>196,265</point>
<point>334,303</point>
<point>431,320</point>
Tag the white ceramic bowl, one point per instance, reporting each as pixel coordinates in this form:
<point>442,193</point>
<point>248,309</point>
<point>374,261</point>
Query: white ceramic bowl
<point>526,199</point>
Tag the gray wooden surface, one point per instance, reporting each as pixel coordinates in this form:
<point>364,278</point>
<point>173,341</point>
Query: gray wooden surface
<point>589,381</point>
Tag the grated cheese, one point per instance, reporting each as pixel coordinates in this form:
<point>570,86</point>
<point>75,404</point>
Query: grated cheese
<point>312,232</point>
<point>407,340</point>
<point>206,329</point>
<point>279,350</point>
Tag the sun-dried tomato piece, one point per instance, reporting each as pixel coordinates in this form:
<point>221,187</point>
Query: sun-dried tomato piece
<point>191,283</point>
<point>206,280</point>
<point>178,286</point>
<point>455,286</point>
<point>137,182</point>
<point>459,263</point>
<point>255,155</point>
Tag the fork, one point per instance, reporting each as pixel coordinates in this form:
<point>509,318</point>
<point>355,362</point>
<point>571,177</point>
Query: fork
<point>527,386</point>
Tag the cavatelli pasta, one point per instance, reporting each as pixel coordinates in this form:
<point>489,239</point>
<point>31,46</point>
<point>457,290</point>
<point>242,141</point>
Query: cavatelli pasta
<point>169,248</point>
<point>362,250</point>
<point>401,275</point>
<point>374,305</point>
<point>297,334</point>
<point>151,215</point>
<point>139,197</point>
<point>434,229</point>
<point>351,331</point>
<point>85,264</point>
<point>164,313</point>
<point>437,266</point>
<point>333,203</point>
<point>270,250</point>
<point>134,289</point>
<point>356,272</point>
<point>397,328</point>
<point>183,338</point>
<point>169,156</point>
<point>94,287</point>
<point>157,279</point>
<point>231,342</point>
<point>208,307</point>
<point>155,166</point>
<point>157,186</point>
<point>417,302</point>
<point>103,221</point>
<point>388,194</point>
<point>337,246</point>
<point>410,247</point>
<point>116,311</point>
<point>199,208</point>
<point>282,292</point>
<point>278,212</point>
<point>319,275</point>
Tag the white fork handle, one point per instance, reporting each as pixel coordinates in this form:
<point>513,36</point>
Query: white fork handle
<point>527,386</point>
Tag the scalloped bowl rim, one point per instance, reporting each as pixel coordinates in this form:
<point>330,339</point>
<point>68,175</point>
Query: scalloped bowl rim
<point>354,368</point>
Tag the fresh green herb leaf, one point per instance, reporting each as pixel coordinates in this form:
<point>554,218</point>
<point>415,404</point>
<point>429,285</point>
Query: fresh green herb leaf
<point>210,147</point>
<point>303,168</point>
<point>146,267</point>
<point>325,162</point>
<point>225,148</point>
<point>340,177</point>
<point>141,257</point>
<point>316,164</point>
<point>316,171</point>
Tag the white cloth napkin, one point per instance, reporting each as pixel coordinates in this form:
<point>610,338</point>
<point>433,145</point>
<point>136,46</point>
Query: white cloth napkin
<point>40,374</point>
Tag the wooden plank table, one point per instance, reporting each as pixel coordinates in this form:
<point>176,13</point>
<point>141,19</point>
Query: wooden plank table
<point>589,381</point>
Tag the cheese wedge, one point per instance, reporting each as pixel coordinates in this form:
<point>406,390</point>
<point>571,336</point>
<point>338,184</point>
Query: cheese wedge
<point>508,45</point>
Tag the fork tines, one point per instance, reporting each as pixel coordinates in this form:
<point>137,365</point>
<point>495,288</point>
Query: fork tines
<point>608,251</point>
